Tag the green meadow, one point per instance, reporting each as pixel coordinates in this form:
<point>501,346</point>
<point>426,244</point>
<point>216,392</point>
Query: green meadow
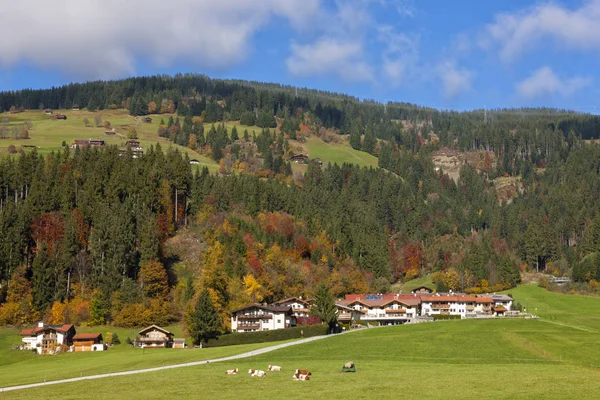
<point>339,153</point>
<point>554,357</point>
<point>47,133</point>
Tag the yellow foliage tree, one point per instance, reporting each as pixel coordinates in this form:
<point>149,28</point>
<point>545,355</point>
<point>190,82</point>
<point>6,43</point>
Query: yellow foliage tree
<point>58,315</point>
<point>152,107</point>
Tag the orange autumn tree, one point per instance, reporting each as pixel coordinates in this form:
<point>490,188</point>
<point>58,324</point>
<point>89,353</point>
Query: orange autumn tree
<point>18,308</point>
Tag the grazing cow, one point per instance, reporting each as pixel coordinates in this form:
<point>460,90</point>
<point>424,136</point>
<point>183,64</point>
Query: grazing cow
<point>274,368</point>
<point>256,372</point>
<point>232,371</point>
<point>302,372</point>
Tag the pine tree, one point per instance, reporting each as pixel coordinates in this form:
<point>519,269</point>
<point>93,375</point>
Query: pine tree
<point>370,141</point>
<point>324,307</point>
<point>355,140</point>
<point>204,320</point>
<point>234,134</point>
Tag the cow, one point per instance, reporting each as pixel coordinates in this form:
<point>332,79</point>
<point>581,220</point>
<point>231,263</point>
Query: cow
<point>301,377</point>
<point>232,371</point>
<point>256,372</point>
<point>273,368</point>
<point>302,372</point>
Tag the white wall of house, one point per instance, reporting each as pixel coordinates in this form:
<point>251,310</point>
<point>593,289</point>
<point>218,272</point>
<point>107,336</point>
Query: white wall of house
<point>266,320</point>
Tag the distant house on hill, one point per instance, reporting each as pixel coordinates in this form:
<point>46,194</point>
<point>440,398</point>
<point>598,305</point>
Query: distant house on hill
<point>132,143</point>
<point>147,120</point>
<point>300,307</point>
<point>110,133</point>
<point>155,336</point>
<point>299,158</point>
<point>60,116</point>
<point>48,111</point>
<point>75,107</point>
<point>88,342</point>
<point>422,289</point>
<point>87,143</point>
<point>46,338</point>
<point>193,161</point>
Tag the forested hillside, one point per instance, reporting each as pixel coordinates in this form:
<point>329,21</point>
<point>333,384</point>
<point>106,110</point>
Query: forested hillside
<point>84,231</point>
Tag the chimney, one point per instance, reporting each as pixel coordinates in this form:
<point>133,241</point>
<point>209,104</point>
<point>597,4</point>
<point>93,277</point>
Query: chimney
<point>41,324</point>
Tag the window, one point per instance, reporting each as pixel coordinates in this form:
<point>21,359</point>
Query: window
<point>278,321</point>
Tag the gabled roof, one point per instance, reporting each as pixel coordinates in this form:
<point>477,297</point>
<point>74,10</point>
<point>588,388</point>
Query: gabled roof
<point>154,327</point>
<point>484,299</point>
<point>38,329</point>
<point>274,309</point>
<point>499,309</point>
<point>88,336</point>
<point>292,299</point>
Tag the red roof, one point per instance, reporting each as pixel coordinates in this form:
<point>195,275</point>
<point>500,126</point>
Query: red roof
<point>499,309</point>
<point>87,336</point>
<point>35,330</point>
<point>484,300</point>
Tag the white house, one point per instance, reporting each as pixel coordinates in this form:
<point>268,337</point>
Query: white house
<point>257,317</point>
<point>300,307</point>
<point>45,338</point>
<point>502,300</point>
<point>385,309</point>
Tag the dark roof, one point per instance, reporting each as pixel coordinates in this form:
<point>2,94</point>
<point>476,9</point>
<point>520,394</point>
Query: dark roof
<point>263,307</point>
<point>152,327</point>
<point>422,287</point>
<point>294,299</point>
<point>88,336</point>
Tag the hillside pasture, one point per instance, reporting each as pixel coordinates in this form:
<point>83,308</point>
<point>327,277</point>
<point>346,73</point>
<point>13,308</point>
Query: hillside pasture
<point>48,133</point>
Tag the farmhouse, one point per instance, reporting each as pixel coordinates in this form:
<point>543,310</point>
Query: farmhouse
<point>388,309</point>
<point>347,314</point>
<point>257,317</point>
<point>60,116</point>
<point>87,143</point>
<point>45,338</point>
<point>299,158</point>
<point>155,336</point>
<point>75,107</point>
<point>48,111</point>
<point>110,133</point>
<point>88,342</point>
<point>132,143</point>
<point>422,289</point>
<point>193,161</point>
<point>147,120</point>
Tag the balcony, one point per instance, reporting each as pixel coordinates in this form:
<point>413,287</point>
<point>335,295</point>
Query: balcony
<point>383,316</point>
<point>50,337</point>
<point>440,306</point>
<point>254,316</point>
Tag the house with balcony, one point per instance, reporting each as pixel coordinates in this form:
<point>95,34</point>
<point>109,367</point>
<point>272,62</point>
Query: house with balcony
<point>46,338</point>
<point>347,314</point>
<point>257,317</point>
<point>300,307</point>
<point>389,309</point>
<point>154,336</point>
<point>502,300</point>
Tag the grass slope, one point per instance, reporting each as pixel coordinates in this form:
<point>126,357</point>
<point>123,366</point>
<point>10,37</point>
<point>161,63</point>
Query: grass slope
<point>469,359</point>
<point>48,134</point>
<point>338,153</point>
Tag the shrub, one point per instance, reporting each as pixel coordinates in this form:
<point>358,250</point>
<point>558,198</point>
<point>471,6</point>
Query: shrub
<point>445,317</point>
<point>115,338</point>
<point>268,336</point>
<point>12,149</point>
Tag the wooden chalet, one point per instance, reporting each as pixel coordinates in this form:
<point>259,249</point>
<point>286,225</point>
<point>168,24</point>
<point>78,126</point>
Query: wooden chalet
<point>155,336</point>
<point>147,120</point>
<point>422,289</point>
<point>48,111</point>
<point>299,158</point>
<point>132,143</point>
<point>75,107</point>
<point>87,143</point>
<point>88,342</point>
<point>178,343</point>
<point>110,133</point>
<point>60,116</point>
<point>193,161</point>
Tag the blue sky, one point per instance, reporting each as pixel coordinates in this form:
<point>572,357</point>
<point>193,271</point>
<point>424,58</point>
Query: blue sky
<point>445,54</point>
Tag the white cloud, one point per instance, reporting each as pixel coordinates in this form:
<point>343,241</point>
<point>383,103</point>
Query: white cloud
<point>571,28</point>
<point>544,82</point>
<point>339,49</point>
<point>400,57</point>
<point>455,80</point>
<point>330,57</point>
<point>103,38</point>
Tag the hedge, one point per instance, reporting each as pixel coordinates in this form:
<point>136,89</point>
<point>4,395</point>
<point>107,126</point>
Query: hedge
<point>443,317</point>
<point>267,336</point>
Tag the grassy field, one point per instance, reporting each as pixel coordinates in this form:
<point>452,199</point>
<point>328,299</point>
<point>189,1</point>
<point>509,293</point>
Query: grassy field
<point>555,357</point>
<point>20,367</point>
<point>407,287</point>
<point>338,153</point>
<point>48,133</point>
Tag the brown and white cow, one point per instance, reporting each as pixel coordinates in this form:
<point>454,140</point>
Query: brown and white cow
<point>232,371</point>
<point>257,372</point>
<point>301,377</point>
<point>302,372</point>
<point>273,368</point>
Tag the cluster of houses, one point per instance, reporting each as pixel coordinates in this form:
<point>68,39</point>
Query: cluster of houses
<point>303,159</point>
<point>386,309</point>
<point>53,339</point>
